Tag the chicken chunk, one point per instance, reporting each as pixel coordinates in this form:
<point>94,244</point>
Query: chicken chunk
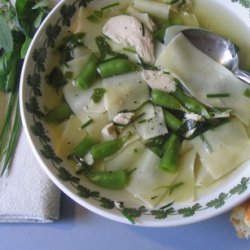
<point>109,132</point>
<point>143,17</point>
<point>123,118</point>
<point>130,32</point>
<point>159,80</point>
<point>194,117</point>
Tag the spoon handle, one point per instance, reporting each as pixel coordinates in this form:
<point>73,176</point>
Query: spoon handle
<point>243,75</point>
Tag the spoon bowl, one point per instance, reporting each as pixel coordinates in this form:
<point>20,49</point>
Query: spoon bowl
<point>219,49</point>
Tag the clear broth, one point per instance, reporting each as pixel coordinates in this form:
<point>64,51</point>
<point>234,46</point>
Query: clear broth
<point>214,16</point>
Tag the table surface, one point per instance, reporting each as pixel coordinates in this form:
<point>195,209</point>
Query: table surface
<point>79,228</point>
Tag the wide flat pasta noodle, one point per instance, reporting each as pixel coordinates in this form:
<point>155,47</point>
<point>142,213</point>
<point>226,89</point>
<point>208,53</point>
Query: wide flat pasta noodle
<point>172,31</point>
<point>98,122</point>
<point>147,180</point>
<point>71,136</point>
<point>127,157</point>
<point>90,29</point>
<point>203,178</point>
<point>185,181</point>
<point>202,76</point>
<point>230,146</point>
<point>79,99</point>
<point>124,92</point>
<point>153,127</point>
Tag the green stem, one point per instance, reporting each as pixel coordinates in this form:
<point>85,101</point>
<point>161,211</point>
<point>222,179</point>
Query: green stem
<point>13,139</point>
<point>7,120</point>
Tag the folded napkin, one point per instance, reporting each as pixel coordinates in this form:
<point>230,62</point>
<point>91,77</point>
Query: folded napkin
<point>26,193</point>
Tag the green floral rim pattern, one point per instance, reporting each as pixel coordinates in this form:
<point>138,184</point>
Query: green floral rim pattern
<point>244,3</point>
<point>32,106</point>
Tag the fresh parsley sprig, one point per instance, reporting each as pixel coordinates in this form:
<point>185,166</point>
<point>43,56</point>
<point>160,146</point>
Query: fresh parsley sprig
<point>18,25</point>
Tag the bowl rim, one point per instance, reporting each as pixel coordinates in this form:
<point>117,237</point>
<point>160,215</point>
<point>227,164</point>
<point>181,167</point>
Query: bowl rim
<point>63,187</point>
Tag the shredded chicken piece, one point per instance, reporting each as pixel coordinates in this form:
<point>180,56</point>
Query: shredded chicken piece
<point>130,32</point>
<point>109,132</point>
<point>159,80</point>
<point>123,118</point>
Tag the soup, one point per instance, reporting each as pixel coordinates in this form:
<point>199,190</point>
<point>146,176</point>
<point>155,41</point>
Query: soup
<point>141,109</point>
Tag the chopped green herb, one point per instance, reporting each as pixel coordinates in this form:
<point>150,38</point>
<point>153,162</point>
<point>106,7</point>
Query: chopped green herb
<point>92,18</point>
<point>206,144</point>
<point>86,124</point>
<point>97,94</point>
<point>218,95</point>
<point>171,188</point>
<point>128,216</point>
<point>247,93</point>
<point>103,46</point>
<point>156,145</point>
<point>154,197</point>
<point>73,39</point>
<point>98,13</point>
<point>170,1</point>
<point>174,187</point>
<point>105,49</point>
<point>138,116</point>
<point>142,121</point>
<point>166,206</point>
<point>68,44</point>
<point>146,65</point>
<point>142,29</point>
<point>132,50</point>
<point>110,6</point>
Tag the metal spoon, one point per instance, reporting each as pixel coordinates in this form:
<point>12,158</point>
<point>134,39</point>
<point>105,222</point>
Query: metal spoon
<point>219,49</point>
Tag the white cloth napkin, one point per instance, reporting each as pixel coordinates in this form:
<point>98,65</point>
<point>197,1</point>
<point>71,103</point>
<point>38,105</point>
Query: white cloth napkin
<point>26,193</point>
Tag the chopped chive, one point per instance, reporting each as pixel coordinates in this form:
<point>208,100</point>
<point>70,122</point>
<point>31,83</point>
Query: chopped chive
<point>142,29</point>
<point>131,171</point>
<point>171,188</point>
<point>168,205</point>
<point>170,1</point>
<point>97,94</point>
<point>132,50</point>
<point>146,65</point>
<point>98,13</point>
<point>128,216</point>
<point>110,6</point>
<point>92,18</point>
<point>154,197</point>
<point>82,166</point>
<point>247,93</point>
<point>175,186</point>
<point>206,144</point>
<point>139,116</point>
<point>218,95</point>
<point>86,124</point>
<point>142,121</point>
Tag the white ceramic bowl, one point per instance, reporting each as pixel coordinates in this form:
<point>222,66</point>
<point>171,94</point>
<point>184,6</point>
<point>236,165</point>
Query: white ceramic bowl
<point>37,63</point>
